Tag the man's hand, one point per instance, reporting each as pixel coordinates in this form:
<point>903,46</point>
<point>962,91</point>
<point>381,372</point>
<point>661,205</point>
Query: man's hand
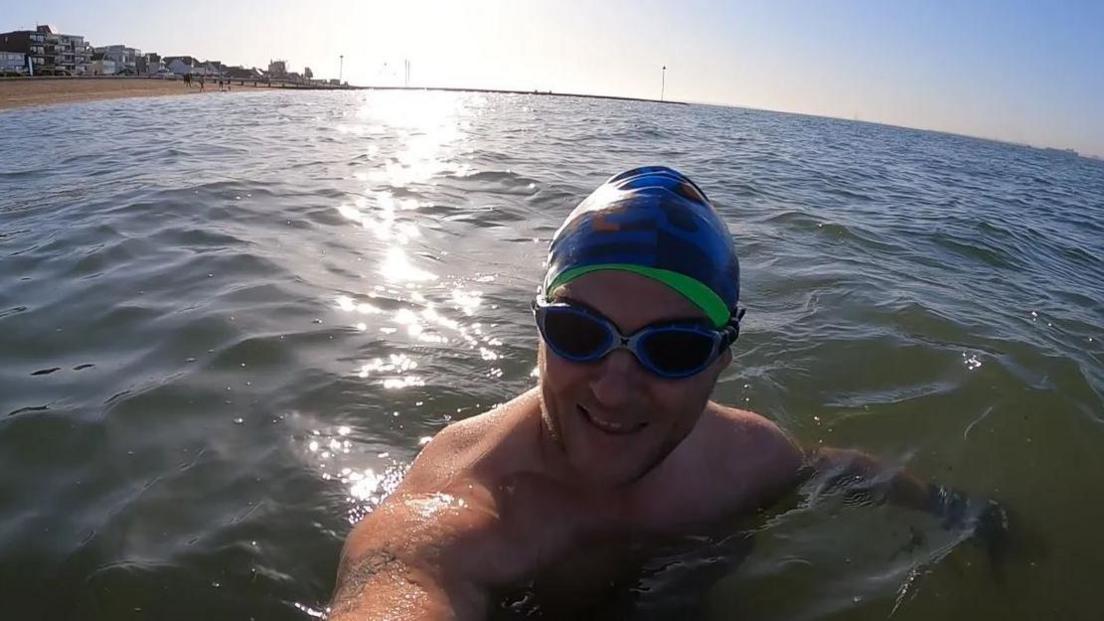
<point>989,521</point>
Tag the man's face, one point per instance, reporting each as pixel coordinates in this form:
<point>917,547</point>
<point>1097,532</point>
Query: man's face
<point>613,419</point>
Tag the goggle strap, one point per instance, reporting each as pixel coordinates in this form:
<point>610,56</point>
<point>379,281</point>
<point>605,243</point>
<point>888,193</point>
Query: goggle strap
<point>732,330</point>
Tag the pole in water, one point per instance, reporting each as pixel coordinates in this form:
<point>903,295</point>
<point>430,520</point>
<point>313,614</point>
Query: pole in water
<point>662,82</point>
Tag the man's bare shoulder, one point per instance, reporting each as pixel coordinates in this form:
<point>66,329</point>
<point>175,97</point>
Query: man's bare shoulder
<point>445,470</point>
<point>747,450</point>
<point>732,463</point>
<point>724,429</point>
<point>725,417</point>
<point>456,450</point>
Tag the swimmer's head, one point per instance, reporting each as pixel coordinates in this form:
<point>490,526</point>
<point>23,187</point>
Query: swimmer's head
<point>655,222</point>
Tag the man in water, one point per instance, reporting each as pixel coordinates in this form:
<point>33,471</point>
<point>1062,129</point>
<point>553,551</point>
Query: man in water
<point>636,314</point>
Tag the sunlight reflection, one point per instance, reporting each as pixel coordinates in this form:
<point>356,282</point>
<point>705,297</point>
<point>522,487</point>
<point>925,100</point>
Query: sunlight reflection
<point>380,216</point>
<point>409,138</point>
<point>317,614</point>
<point>398,268</point>
<point>349,305</point>
<point>397,367</point>
<point>468,301</point>
<point>393,383</point>
<point>971,361</point>
<point>415,328</point>
<point>368,487</point>
<point>398,363</point>
<point>366,470</point>
<point>430,126</point>
<point>429,325</point>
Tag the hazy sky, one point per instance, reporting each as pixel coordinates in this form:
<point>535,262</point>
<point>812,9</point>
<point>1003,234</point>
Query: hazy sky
<point>1021,71</point>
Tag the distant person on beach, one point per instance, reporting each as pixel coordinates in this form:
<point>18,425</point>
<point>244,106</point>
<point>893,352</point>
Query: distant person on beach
<point>187,80</point>
<point>619,441</point>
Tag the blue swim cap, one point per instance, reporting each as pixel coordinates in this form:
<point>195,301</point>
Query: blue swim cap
<point>655,222</point>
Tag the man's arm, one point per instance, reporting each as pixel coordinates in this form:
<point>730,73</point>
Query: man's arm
<point>398,563</point>
<point>411,558</point>
<point>866,479</point>
<point>761,463</point>
<point>437,555</point>
<point>748,441</point>
<point>442,540</point>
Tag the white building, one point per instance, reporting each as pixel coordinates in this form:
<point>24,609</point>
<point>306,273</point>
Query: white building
<point>207,69</point>
<point>179,67</point>
<point>12,63</point>
<point>51,53</point>
<point>277,69</point>
<point>126,58</point>
<point>151,64</point>
<point>102,66</point>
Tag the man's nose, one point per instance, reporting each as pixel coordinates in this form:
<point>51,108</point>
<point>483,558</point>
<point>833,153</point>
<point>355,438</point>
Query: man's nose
<point>616,379</point>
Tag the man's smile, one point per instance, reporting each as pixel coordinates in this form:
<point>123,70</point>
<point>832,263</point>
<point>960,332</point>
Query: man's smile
<point>609,426</point>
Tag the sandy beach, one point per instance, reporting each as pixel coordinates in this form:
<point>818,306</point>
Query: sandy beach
<point>20,92</point>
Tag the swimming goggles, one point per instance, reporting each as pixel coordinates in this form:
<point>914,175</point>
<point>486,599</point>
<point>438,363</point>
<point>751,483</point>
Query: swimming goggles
<point>671,350</point>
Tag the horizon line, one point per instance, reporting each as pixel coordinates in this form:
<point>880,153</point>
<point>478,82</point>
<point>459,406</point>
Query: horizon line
<point>550,93</point>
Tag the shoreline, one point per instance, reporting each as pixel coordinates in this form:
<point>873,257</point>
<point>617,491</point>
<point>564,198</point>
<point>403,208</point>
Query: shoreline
<point>27,92</point>
<point>24,92</point>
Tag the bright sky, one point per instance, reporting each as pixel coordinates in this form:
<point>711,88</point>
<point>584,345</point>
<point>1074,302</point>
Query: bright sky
<point>1013,70</point>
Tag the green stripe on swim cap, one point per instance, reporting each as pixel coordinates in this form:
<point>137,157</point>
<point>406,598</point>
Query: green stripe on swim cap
<point>690,288</point>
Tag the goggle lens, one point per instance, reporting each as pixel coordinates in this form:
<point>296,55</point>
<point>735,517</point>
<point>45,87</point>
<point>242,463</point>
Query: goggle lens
<point>675,351</point>
<point>670,351</point>
<point>574,335</point>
